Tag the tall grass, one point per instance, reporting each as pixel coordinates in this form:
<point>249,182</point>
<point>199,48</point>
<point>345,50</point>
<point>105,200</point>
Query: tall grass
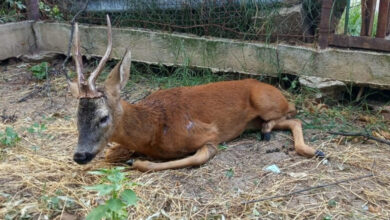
<point>355,21</point>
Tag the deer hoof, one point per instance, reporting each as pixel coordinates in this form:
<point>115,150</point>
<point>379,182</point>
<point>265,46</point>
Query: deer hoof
<point>267,136</point>
<point>130,162</point>
<point>319,154</point>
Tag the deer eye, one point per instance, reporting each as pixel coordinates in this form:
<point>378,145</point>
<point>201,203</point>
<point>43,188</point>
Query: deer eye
<point>104,119</point>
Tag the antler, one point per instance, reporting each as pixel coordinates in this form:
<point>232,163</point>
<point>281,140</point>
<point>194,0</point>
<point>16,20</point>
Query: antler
<point>88,89</point>
<point>78,59</point>
<point>102,63</point>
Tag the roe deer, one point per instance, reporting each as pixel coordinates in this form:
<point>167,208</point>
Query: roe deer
<point>183,125</point>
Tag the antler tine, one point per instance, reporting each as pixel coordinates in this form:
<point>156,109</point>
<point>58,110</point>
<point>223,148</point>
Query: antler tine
<point>78,59</point>
<point>102,63</point>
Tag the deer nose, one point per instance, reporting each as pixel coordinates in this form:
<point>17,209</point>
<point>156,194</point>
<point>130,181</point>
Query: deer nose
<point>83,157</point>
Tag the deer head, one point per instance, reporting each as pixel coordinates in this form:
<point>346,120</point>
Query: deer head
<point>99,109</point>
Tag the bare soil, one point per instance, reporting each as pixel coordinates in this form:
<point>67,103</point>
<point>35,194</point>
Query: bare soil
<point>40,167</point>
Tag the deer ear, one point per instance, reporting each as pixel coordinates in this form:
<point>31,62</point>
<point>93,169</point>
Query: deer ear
<point>74,88</point>
<point>118,76</point>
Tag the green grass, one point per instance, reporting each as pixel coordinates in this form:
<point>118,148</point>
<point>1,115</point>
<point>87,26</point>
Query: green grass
<point>169,77</point>
<point>355,22</point>
<point>343,115</point>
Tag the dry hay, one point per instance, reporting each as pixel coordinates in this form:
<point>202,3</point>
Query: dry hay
<point>31,176</point>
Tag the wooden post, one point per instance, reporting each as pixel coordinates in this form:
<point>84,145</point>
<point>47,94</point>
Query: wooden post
<point>382,18</point>
<point>324,23</point>
<point>388,22</point>
<point>368,12</point>
<point>33,10</point>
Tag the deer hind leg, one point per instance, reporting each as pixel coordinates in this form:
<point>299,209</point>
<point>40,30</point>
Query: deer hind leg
<point>295,126</point>
<point>201,156</point>
<point>118,154</point>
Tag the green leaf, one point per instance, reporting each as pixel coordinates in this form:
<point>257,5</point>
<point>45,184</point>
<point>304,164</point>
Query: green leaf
<point>116,177</point>
<point>332,203</point>
<point>222,147</point>
<point>103,189</point>
<point>230,173</point>
<point>115,205</point>
<point>129,197</point>
<point>97,213</point>
<point>119,168</point>
<point>98,172</point>
<point>39,71</point>
<point>328,217</point>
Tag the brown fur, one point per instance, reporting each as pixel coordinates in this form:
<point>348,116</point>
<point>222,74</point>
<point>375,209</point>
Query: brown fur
<point>174,123</point>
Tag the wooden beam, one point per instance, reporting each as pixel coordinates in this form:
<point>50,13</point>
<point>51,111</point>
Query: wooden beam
<point>368,12</point>
<point>382,18</point>
<point>324,23</point>
<point>369,43</point>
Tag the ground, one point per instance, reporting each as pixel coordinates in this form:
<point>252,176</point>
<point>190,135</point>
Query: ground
<point>39,180</point>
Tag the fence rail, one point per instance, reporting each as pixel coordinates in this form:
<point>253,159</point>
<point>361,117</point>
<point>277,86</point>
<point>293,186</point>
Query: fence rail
<point>367,39</point>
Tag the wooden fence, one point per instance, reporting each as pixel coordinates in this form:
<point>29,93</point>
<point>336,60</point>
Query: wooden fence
<point>365,40</point>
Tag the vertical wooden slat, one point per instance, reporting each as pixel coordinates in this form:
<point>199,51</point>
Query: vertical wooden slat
<point>368,12</point>
<point>324,23</point>
<point>388,22</point>
<point>382,18</point>
<point>33,10</point>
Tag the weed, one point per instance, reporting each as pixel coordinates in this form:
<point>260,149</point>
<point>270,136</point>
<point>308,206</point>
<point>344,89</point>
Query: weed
<point>332,203</point>
<point>40,71</point>
<point>119,196</point>
<point>9,137</point>
<point>50,12</point>
<point>57,202</point>
<point>229,173</point>
<point>328,217</point>
<point>37,128</point>
<point>10,10</point>
<point>222,146</point>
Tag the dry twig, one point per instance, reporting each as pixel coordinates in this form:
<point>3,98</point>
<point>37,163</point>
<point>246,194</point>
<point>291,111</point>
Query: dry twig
<point>309,189</point>
<point>359,134</point>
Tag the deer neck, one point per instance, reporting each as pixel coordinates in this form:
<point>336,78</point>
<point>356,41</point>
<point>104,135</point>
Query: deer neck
<point>135,126</point>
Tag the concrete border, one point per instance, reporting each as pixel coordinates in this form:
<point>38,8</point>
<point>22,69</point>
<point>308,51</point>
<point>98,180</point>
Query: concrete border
<point>360,67</point>
<point>16,39</point>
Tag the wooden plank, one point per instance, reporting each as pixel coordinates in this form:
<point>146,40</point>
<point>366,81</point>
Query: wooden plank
<point>369,43</point>
<point>324,23</point>
<point>368,13</point>
<point>382,18</point>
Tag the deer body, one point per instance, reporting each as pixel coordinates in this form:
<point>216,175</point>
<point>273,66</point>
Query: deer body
<point>183,125</point>
<point>174,123</point>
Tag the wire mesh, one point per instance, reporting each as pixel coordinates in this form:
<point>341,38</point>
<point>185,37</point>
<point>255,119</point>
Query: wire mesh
<point>264,20</point>
<point>261,20</point>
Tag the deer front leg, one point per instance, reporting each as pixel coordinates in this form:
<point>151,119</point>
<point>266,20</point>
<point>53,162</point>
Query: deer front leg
<point>267,128</point>
<point>118,154</point>
<point>301,148</point>
<point>200,157</point>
